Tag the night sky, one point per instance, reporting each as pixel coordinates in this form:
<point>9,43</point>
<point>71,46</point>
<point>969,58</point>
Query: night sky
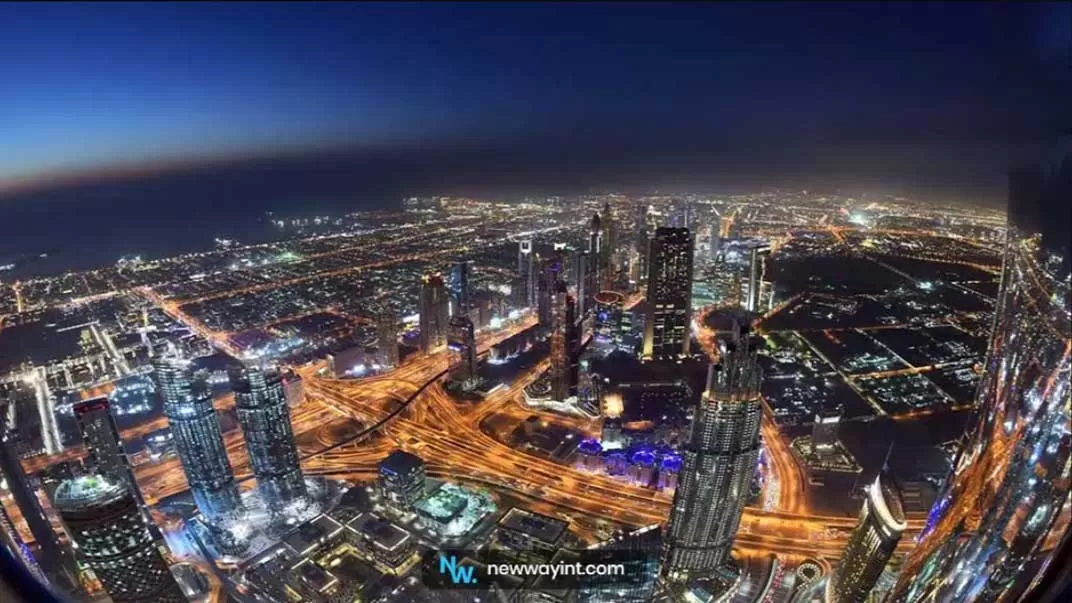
<point>243,104</point>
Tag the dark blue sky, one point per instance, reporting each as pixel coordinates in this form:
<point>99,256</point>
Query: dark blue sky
<point>852,92</point>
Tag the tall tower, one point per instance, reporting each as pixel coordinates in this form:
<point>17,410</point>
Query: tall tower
<point>52,556</point>
<point>387,335</point>
<point>756,269</point>
<point>526,279</point>
<point>548,273</point>
<point>265,418</point>
<point>719,460</point>
<point>461,341</point>
<point>609,251</point>
<point>103,519</point>
<point>434,312</point>
<point>459,284</point>
<point>669,299</point>
<point>564,343</point>
<point>106,453</point>
<point>195,430</point>
<point>873,540</point>
<point>1001,518</point>
<point>596,245</point>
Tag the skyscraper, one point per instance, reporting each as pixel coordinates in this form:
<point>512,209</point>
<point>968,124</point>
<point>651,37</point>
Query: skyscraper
<point>870,546</point>
<point>547,273</point>
<point>719,460</point>
<point>756,269</point>
<point>608,255</point>
<point>105,449</point>
<point>52,556</point>
<point>387,335</point>
<point>997,524</point>
<point>265,417</point>
<point>402,478</point>
<point>565,344</point>
<point>526,278</point>
<point>461,341</point>
<point>459,288</point>
<point>669,299</point>
<point>596,246</point>
<point>113,540</point>
<point>195,431</point>
<point>434,312</point>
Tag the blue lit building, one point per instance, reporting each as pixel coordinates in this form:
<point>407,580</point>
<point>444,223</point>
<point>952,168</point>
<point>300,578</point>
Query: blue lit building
<point>195,431</point>
<point>261,400</point>
<point>401,479</point>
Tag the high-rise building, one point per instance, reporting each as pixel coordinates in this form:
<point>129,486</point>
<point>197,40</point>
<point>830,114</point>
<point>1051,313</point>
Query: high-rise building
<point>461,341</point>
<point>52,557</point>
<point>872,543</point>
<point>608,254</point>
<point>11,542</point>
<point>387,335</point>
<point>526,275</point>
<point>265,417</point>
<point>756,269</point>
<point>195,431</point>
<point>104,521</point>
<point>434,312</point>
<point>580,279</point>
<point>669,298</point>
<point>459,288</point>
<point>401,479</point>
<point>719,459</point>
<point>640,548</point>
<point>565,343</point>
<point>824,433</point>
<point>545,284</point>
<point>106,455</point>
<point>1001,518</point>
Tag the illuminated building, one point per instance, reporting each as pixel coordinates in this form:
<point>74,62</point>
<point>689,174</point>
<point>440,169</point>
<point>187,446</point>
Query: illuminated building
<point>596,242</point>
<point>667,331</point>
<point>870,546</point>
<point>824,433</point>
<point>401,479</point>
<point>265,417</point>
<point>11,542</point>
<point>434,312</point>
<point>642,548</point>
<point>756,269</point>
<point>609,306</point>
<point>105,448</point>
<point>459,288</point>
<point>581,281</point>
<point>565,344</point>
<point>104,521</point>
<point>387,335</point>
<point>609,251</point>
<point>719,459</point>
<point>1001,518</point>
<point>195,431</point>
<point>545,288</point>
<point>461,341</point>
<point>527,535</point>
<point>52,557</point>
<point>526,275</point>
<point>46,409</point>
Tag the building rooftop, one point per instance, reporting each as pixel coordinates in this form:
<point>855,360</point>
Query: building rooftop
<point>307,537</point>
<point>401,462</point>
<point>88,490</point>
<point>381,532</point>
<point>541,527</point>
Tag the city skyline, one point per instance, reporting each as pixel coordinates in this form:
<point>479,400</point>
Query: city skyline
<point>571,303</point>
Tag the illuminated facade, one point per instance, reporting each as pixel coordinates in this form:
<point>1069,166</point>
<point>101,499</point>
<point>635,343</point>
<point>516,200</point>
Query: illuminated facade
<point>719,460</point>
<point>526,275</point>
<point>872,543</point>
<point>195,430</point>
<point>52,557</point>
<point>461,341</point>
<point>1005,509</point>
<point>459,288</point>
<point>402,479</point>
<point>105,448</point>
<point>565,344</point>
<point>434,312</point>
<point>757,265</point>
<point>265,417</point>
<point>669,298</point>
<point>104,520</point>
<point>387,335</point>
<point>608,254</point>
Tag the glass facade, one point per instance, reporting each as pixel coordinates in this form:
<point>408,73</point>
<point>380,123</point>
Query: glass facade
<point>1005,509</point>
<point>195,430</point>
<point>265,417</point>
<point>669,298</point>
<point>113,540</point>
